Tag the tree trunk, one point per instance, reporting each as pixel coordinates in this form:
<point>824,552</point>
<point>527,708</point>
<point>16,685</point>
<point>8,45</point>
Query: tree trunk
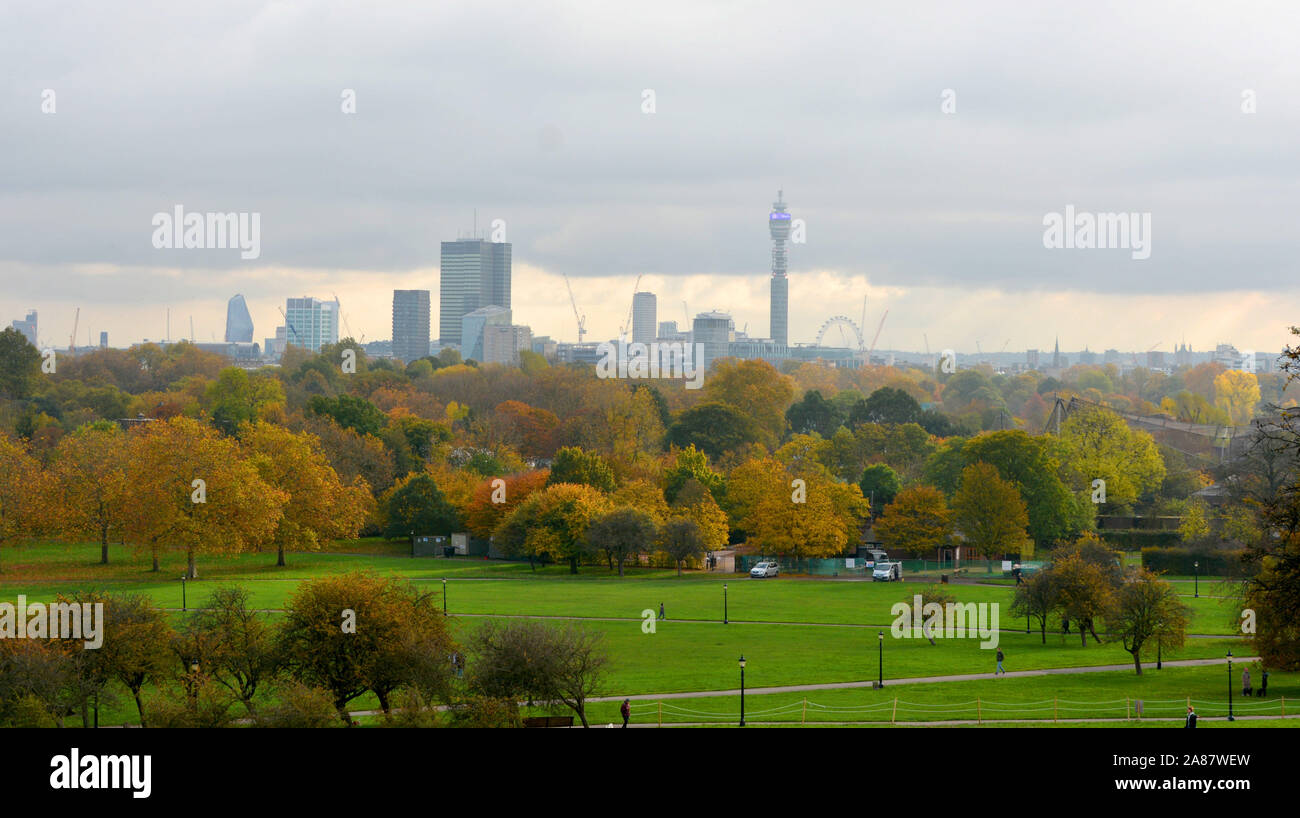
<point>531,565</point>
<point>155,560</point>
<point>383,700</point>
<point>1137,661</point>
<point>1044,630</point>
<point>620,568</point>
<point>679,568</point>
<point>279,559</point>
<point>342,707</point>
<point>103,546</point>
<point>573,565</point>
<point>1093,631</point>
<point>189,564</point>
<point>139,705</point>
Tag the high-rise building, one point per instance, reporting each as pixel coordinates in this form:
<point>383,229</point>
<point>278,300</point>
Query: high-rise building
<point>239,324</point>
<point>473,325</point>
<point>27,327</point>
<point>475,274</point>
<point>713,330</point>
<point>410,324</point>
<point>667,329</point>
<point>311,323</point>
<point>778,225</point>
<point>103,340</point>
<point>644,312</point>
<point>1031,358</point>
<point>502,343</point>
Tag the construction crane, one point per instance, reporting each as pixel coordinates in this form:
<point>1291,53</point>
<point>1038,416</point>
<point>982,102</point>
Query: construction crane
<point>582,319</point>
<point>288,326</point>
<point>1004,346</point>
<point>343,316</point>
<point>927,344</point>
<point>628,324</point>
<point>72,339</point>
<point>877,336</point>
<point>686,311</point>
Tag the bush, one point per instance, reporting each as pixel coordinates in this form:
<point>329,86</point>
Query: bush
<point>207,704</point>
<point>484,711</point>
<point>298,705</point>
<point>1179,561</point>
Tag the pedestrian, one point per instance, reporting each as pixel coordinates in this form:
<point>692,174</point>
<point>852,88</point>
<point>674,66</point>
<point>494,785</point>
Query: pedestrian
<point>626,710</point>
<point>1245,682</point>
<point>661,611</point>
<point>1000,658</point>
<point>1191,717</point>
<point>1263,685</point>
<point>1065,623</point>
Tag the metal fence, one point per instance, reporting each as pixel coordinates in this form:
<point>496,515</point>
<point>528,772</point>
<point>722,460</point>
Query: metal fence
<point>859,567</point>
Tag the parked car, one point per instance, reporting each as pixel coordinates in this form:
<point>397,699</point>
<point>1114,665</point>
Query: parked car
<point>764,569</point>
<point>887,572</point>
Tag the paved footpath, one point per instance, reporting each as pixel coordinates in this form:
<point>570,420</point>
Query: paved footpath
<point>964,677</point>
<point>952,723</point>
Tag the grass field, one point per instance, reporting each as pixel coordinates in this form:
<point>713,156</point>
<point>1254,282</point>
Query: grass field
<point>791,630</point>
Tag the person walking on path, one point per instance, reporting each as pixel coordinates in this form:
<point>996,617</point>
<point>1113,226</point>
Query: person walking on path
<point>661,611</point>
<point>1263,685</point>
<point>1000,658</point>
<point>1245,682</point>
<point>1191,717</point>
<point>626,710</point>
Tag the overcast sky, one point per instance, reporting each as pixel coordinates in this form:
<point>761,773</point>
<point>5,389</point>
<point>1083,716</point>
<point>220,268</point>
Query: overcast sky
<point>532,113</point>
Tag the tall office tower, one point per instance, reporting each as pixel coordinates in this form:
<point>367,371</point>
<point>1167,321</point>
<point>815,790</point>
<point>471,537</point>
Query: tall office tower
<point>1031,358</point>
<point>311,323</point>
<point>644,309</point>
<point>410,324</point>
<point>27,327</point>
<point>473,326</point>
<point>475,274</point>
<point>778,224</point>
<point>713,330</point>
<point>667,329</point>
<point>103,340</point>
<point>239,324</point>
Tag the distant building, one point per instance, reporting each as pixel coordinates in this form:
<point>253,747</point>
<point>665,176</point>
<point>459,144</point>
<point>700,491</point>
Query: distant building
<point>410,324</point>
<point>1031,358</point>
<point>274,347</point>
<point>644,308</point>
<point>474,274</point>
<point>27,327</point>
<point>312,323</point>
<point>546,347</point>
<point>1110,356</point>
<point>1155,359</point>
<point>778,227</point>
<point>103,340</point>
<point>1183,355</point>
<point>502,343</point>
<point>713,330</point>
<point>237,352</point>
<point>587,352</point>
<point>667,329</point>
<point>472,326</point>
<point>1227,355</point>
<point>1087,357</point>
<point>239,324</point>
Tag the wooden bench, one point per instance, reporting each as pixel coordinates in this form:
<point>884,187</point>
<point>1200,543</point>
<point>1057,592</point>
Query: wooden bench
<point>548,721</point>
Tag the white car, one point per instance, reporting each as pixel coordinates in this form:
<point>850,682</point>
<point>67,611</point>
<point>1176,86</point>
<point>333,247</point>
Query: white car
<point>887,572</point>
<point>764,569</point>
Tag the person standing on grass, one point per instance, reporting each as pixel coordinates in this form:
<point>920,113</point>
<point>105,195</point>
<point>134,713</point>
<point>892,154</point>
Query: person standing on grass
<point>1263,685</point>
<point>1245,682</point>
<point>626,710</point>
<point>661,611</point>
<point>1000,658</point>
<point>1191,717</point>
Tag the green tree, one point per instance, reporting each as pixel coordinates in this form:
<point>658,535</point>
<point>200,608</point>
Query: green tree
<point>20,365</point>
<point>990,515</point>
<point>418,506</point>
<point>881,484</point>
<point>573,465</point>
<point>1147,610</point>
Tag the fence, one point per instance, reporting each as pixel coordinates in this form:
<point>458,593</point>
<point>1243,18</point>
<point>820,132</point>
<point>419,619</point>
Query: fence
<point>858,567</point>
<point>894,710</point>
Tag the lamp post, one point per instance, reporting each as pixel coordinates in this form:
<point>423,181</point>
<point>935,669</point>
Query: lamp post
<point>1230,718</point>
<point>742,690</point>
<point>1196,578</point>
<point>725,619</point>
<point>880,641</point>
<point>444,596</point>
<point>184,603</point>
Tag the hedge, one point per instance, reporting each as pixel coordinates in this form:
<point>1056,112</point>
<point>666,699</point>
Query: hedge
<point>1179,561</point>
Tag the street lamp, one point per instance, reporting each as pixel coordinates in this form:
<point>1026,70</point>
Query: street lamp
<point>742,690</point>
<point>725,620</point>
<point>184,604</point>
<point>880,640</point>
<point>1196,578</point>
<point>1230,718</point>
<point>444,596</point>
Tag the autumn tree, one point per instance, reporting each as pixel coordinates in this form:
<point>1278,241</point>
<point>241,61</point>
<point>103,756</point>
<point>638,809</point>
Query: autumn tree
<point>990,514</point>
<point>190,488</point>
<point>354,632</point>
<point>320,507</point>
<point>809,517</point>
<point>918,521</point>
<point>493,500</point>
<point>573,465</point>
<point>680,539</point>
<point>622,533</point>
<point>695,502</point>
<point>691,463</point>
<point>135,646</point>
<point>1038,597</point>
<point>1085,593</point>
<point>25,495</point>
<point>1146,609</point>
<point>234,643</point>
<point>1099,445</point>
<point>1237,393</point>
<point>547,665</point>
<point>89,467</point>
<point>237,397</point>
<point>552,523</point>
<point>757,390</point>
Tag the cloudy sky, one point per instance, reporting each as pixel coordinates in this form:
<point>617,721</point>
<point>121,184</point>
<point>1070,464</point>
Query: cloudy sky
<point>532,113</point>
